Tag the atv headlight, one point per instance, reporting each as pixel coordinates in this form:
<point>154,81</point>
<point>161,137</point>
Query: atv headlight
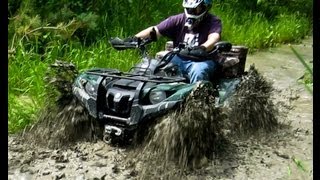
<point>89,88</point>
<point>157,96</point>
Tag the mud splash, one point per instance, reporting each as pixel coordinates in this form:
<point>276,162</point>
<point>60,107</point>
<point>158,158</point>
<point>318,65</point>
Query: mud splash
<point>199,131</point>
<point>185,138</point>
<point>63,121</point>
<point>251,108</point>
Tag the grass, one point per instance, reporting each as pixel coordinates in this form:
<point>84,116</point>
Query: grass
<point>298,169</point>
<point>256,32</point>
<point>307,79</point>
<point>28,65</point>
<point>299,164</point>
<point>22,111</point>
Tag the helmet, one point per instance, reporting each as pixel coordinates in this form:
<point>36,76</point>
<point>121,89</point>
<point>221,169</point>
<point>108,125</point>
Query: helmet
<point>195,10</point>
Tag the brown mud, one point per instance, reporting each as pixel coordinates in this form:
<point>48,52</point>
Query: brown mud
<point>201,143</point>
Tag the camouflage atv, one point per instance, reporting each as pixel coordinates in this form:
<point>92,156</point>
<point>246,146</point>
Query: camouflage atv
<point>123,101</point>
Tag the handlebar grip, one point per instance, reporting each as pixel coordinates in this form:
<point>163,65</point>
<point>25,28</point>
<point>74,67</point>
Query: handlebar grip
<point>120,44</point>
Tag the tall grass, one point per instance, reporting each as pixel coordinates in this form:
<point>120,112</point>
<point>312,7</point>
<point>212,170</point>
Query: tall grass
<point>22,111</point>
<point>29,63</point>
<point>255,31</point>
<point>307,79</point>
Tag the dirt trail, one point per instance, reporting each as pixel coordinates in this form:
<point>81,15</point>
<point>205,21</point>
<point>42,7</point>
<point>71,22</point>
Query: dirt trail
<point>286,154</point>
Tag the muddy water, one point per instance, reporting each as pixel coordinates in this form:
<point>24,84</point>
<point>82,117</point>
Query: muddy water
<point>285,154</point>
<point>283,68</point>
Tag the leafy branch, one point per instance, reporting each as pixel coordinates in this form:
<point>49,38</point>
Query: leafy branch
<point>60,27</point>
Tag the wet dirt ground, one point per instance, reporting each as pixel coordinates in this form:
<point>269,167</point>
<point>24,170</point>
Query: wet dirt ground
<point>283,154</point>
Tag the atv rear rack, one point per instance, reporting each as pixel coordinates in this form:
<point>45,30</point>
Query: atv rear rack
<point>139,77</point>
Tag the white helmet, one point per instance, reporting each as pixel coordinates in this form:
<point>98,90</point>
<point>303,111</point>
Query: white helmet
<point>195,11</point>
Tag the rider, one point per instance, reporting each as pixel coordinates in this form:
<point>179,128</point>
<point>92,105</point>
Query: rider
<point>198,30</point>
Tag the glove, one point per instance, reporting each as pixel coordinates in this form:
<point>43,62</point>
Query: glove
<point>198,51</point>
<point>132,39</point>
<point>130,42</point>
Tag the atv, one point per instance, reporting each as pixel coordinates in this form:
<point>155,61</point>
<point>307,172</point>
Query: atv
<point>123,101</point>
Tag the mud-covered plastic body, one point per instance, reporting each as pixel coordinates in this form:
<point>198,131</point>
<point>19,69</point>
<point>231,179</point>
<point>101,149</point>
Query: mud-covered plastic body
<point>122,101</point>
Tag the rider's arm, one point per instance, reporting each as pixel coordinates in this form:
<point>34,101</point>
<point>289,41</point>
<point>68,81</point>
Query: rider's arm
<point>146,32</point>
<point>212,39</point>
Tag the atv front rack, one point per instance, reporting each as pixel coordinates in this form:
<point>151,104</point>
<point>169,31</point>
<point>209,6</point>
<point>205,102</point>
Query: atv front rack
<point>136,76</point>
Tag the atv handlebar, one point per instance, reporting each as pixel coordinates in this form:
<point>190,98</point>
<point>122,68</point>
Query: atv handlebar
<point>221,46</point>
<point>120,44</point>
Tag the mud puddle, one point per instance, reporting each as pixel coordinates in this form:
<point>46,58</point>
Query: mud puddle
<point>283,154</point>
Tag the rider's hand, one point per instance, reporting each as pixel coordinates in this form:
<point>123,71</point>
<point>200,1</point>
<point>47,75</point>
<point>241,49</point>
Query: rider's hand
<point>133,39</point>
<point>198,51</point>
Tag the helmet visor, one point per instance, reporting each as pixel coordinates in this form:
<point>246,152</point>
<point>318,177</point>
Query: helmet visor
<point>196,11</point>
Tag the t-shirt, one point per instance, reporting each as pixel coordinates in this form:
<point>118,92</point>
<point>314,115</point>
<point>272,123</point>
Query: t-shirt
<point>173,28</point>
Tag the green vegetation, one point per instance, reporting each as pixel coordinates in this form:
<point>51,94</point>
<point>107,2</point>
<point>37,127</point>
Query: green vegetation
<point>297,168</point>
<point>39,32</point>
<point>299,164</point>
<point>307,78</point>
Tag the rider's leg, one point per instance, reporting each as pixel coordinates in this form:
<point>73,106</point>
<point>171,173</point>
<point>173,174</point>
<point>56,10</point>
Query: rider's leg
<point>196,71</point>
<point>177,60</point>
<point>203,70</point>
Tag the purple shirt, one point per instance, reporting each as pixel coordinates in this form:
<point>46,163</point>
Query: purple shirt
<point>173,28</point>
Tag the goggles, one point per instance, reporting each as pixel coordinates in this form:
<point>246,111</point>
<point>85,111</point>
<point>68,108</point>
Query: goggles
<point>196,11</point>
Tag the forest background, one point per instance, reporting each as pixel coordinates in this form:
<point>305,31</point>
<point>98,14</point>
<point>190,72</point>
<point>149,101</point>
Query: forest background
<point>77,31</point>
